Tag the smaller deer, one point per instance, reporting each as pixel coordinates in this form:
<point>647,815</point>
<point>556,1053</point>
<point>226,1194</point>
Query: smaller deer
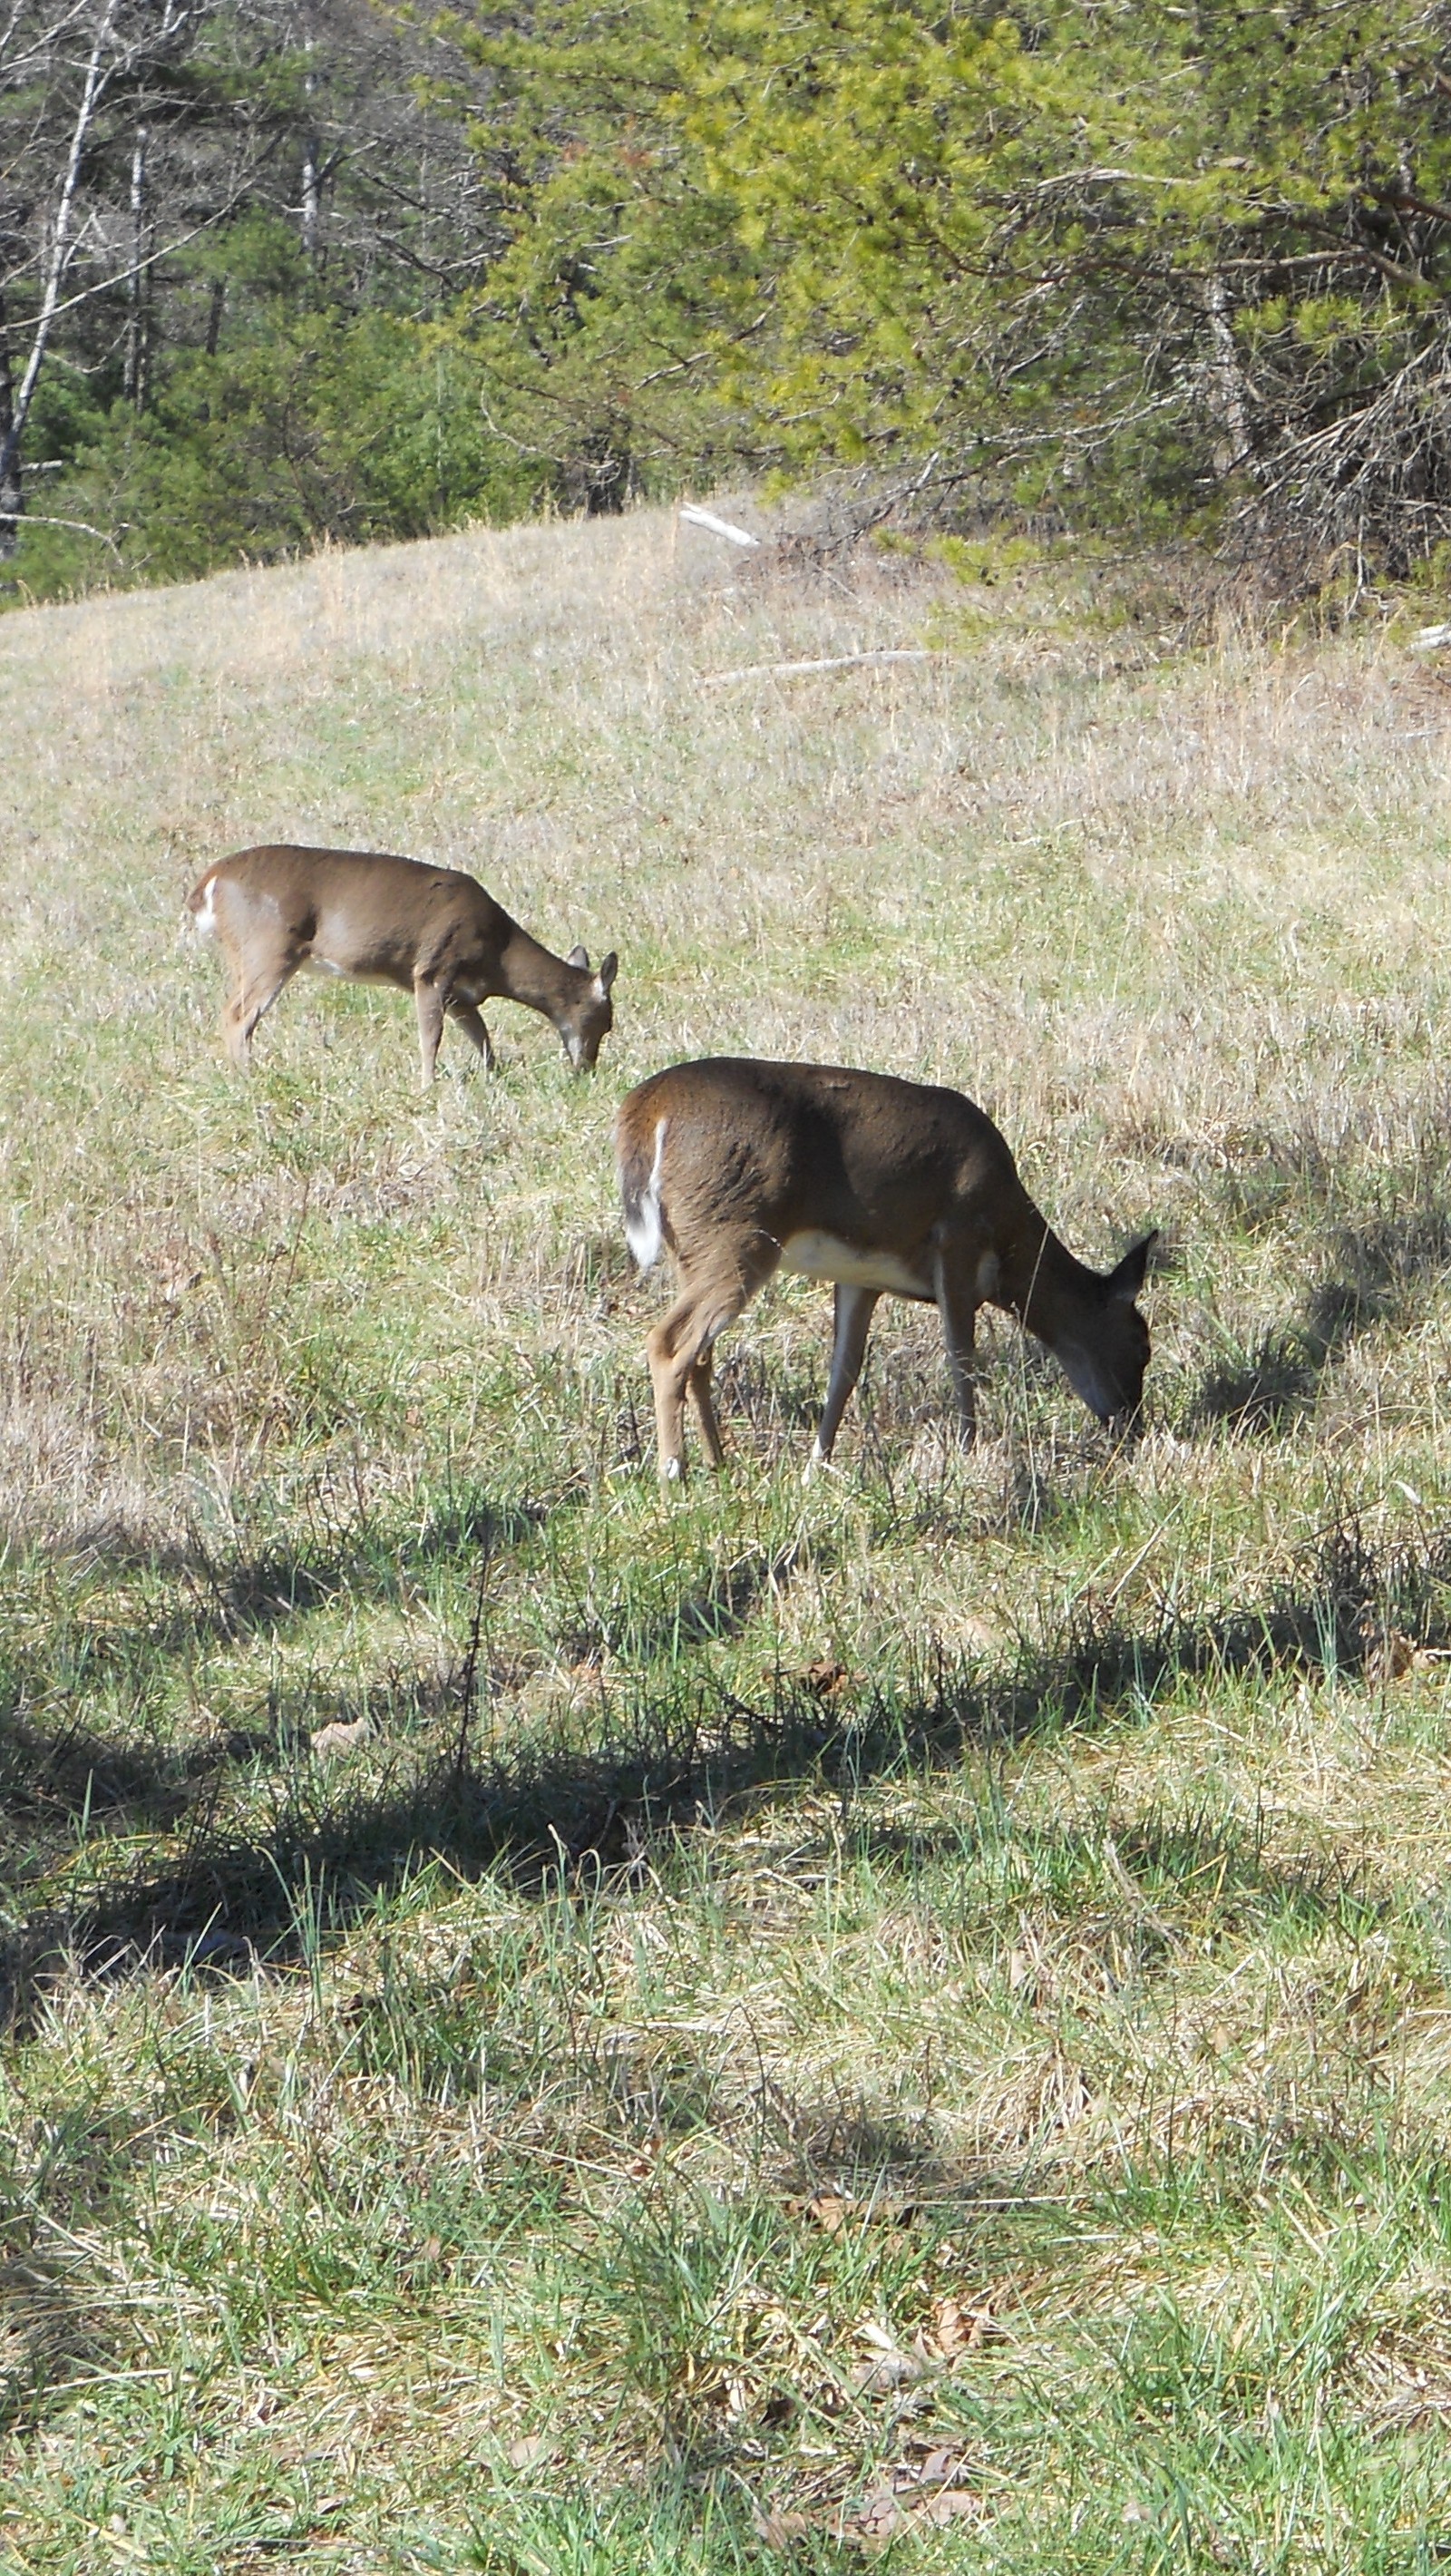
<point>885,1187</point>
<point>383,920</point>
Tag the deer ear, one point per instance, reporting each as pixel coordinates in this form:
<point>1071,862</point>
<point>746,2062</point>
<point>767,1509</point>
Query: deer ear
<point>578,957</point>
<point>1126,1281</point>
<point>609,969</point>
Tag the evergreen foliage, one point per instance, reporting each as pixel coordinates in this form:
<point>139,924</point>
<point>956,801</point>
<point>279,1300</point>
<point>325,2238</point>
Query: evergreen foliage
<point>599,330</point>
<point>1148,264</point>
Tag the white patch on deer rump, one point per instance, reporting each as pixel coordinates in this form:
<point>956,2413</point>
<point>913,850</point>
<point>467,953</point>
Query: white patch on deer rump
<point>643,1231</point>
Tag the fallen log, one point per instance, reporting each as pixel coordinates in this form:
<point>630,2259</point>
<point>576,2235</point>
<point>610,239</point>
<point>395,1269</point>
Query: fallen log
<point>699,518</point>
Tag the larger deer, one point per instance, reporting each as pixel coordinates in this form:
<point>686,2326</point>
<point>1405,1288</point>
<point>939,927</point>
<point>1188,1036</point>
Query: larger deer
<point>385,920</point>
<point>886,1187</point>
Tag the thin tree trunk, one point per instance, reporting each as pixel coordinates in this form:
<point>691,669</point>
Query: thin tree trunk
<point>1226,388</point>
<point>138,297</point>
<point>311,178</point>
<point>214,314</point>
<point>311,198</point>
<point>11,497</point>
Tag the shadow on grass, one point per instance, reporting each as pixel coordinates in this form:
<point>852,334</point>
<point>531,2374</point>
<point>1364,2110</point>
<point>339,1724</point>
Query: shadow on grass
<point>246,1592</point>
<point>56,1784</point>
<point>1375,1267</point>
<point>74,1775</point>
<point>706,1613</point>
<point>1212,1870</point>
<point>666,1758</point>
<point>45,2330</point>
<point>61,1779</point>
<point>222,1597</point>
<point>768,1405</point>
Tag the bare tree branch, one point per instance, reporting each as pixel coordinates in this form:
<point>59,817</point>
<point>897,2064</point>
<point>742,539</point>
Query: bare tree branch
<point>61,252</point>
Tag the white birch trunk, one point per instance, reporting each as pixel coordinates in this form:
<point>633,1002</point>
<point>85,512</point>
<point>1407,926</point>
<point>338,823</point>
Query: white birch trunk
<point>311,179</point>
<point>10,494</point>
<point>133,382</point>
<point>1226,386</point>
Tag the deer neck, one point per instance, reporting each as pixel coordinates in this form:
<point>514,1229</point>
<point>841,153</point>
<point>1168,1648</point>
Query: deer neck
<point>1062,1305</point>
<point>1051,1294</point>
<point>536,977</point>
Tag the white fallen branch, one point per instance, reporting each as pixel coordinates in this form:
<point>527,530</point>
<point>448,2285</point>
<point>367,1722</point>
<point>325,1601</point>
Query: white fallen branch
<point>699,518</point>
<point>38,519</point>
<point>1430,639</point>
<point>798,670</point>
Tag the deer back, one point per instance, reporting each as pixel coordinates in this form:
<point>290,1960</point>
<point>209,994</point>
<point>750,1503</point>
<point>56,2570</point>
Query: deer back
<point>743,1145</point>
<point>360,913</point>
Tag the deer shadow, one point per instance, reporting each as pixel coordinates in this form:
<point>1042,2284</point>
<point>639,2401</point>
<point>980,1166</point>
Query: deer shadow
<point>705,1613</point>
<point>1374,1267</point>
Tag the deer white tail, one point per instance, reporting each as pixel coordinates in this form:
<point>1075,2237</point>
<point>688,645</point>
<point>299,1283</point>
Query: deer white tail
<point>640,1192</point>
<point>199,920</point>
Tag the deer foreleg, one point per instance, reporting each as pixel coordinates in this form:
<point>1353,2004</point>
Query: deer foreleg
<point>854,1309</point>
<point>429,1001</point>
<point>957,1306</point>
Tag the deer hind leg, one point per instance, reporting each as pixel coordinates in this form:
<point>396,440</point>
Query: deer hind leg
<point>957,1305</point>
<point>256,984</point>
<point>854,1309</point>
<point>679,1352</point>
<point>469,1020</point>
<point>675,1350</point>
<point>705,1415</point>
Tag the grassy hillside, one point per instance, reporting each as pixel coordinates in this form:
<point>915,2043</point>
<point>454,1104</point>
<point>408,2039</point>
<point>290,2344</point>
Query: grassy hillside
<point>911,2012</point>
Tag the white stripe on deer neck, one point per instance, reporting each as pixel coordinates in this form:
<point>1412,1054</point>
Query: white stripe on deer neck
<point>815,1254</point>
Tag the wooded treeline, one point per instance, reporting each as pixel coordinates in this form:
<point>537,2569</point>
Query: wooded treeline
<point>295,270</point>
